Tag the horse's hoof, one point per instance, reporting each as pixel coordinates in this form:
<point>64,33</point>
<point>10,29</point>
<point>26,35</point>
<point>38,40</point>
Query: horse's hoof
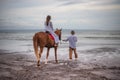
<point>56,61</point>
<point>38,65</point>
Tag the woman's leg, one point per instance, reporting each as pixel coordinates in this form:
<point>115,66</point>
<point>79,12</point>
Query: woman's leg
<point>55,37</point>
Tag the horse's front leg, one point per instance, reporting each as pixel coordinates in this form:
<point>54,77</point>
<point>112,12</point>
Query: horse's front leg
<point>56,54</point>
<point>48,49</point>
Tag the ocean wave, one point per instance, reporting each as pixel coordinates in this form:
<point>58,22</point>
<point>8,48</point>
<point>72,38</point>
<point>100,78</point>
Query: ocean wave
<point>104,49</point>
<point>21,39</point>
<point>30,38</point>
<point>28,35</point>
<point>16,36</point>
<point>116,38</point>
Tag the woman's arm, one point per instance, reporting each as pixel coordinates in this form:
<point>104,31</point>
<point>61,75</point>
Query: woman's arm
<point>51,25</point>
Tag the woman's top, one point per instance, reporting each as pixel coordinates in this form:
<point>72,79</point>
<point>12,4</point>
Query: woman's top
<point>49,27</point>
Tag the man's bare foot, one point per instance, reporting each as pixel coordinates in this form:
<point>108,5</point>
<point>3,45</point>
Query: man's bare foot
<point>70,59</point>
<point>76,59</point>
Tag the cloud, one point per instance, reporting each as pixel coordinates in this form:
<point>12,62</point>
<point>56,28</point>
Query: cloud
<point>100,2</point>
<point>10,4</point>
<point>78,13</point>
<point>91,4</point>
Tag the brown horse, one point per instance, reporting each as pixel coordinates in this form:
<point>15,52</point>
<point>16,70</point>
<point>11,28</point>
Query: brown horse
<point>41,40</point>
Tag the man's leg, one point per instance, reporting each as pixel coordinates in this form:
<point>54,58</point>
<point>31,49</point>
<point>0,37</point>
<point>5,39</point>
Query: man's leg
<point>76,56</point>
<point>70,53</point>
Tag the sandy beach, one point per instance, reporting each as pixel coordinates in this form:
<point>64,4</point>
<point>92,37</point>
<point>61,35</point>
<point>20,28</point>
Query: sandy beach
<point>94,64</point>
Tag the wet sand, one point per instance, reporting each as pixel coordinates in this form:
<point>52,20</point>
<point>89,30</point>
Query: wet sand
<point>95,64</point>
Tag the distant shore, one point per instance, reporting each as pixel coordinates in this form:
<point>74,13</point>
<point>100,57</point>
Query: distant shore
<point>95,64</point>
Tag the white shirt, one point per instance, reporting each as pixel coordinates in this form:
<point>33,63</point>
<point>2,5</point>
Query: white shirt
<point>49,27</point>
<point>72,41</point>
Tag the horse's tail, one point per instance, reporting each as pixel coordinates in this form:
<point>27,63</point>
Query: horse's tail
<point>35,44</point>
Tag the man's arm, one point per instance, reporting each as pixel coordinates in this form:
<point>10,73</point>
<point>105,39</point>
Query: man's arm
<point>66,39</point>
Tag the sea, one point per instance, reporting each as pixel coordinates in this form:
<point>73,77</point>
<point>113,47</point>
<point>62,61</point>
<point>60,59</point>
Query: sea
<point>16,41</point>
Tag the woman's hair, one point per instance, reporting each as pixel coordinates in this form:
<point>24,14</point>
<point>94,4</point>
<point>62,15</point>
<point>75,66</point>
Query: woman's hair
<point>72,32</point>
<point>48,19</point>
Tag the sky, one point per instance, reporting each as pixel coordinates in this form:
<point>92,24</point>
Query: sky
<point>66,14</point>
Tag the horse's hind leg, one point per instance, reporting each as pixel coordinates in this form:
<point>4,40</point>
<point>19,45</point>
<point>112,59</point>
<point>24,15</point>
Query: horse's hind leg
<point>38,58</point>
<point>37,55</point>
<point>48,49</point>
<point>41,50</point>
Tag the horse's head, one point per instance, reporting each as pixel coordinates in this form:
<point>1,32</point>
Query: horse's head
<point>58,32</point>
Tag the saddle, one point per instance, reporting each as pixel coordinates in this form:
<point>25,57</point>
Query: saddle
<point>50,35</point>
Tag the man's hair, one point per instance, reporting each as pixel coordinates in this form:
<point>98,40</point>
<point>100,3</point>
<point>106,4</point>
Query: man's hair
<point>72,32</point>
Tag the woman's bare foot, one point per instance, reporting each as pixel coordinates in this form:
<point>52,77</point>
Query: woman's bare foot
<point>56,44</point>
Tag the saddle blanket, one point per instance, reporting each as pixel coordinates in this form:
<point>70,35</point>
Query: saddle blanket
<point>51,36</point>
